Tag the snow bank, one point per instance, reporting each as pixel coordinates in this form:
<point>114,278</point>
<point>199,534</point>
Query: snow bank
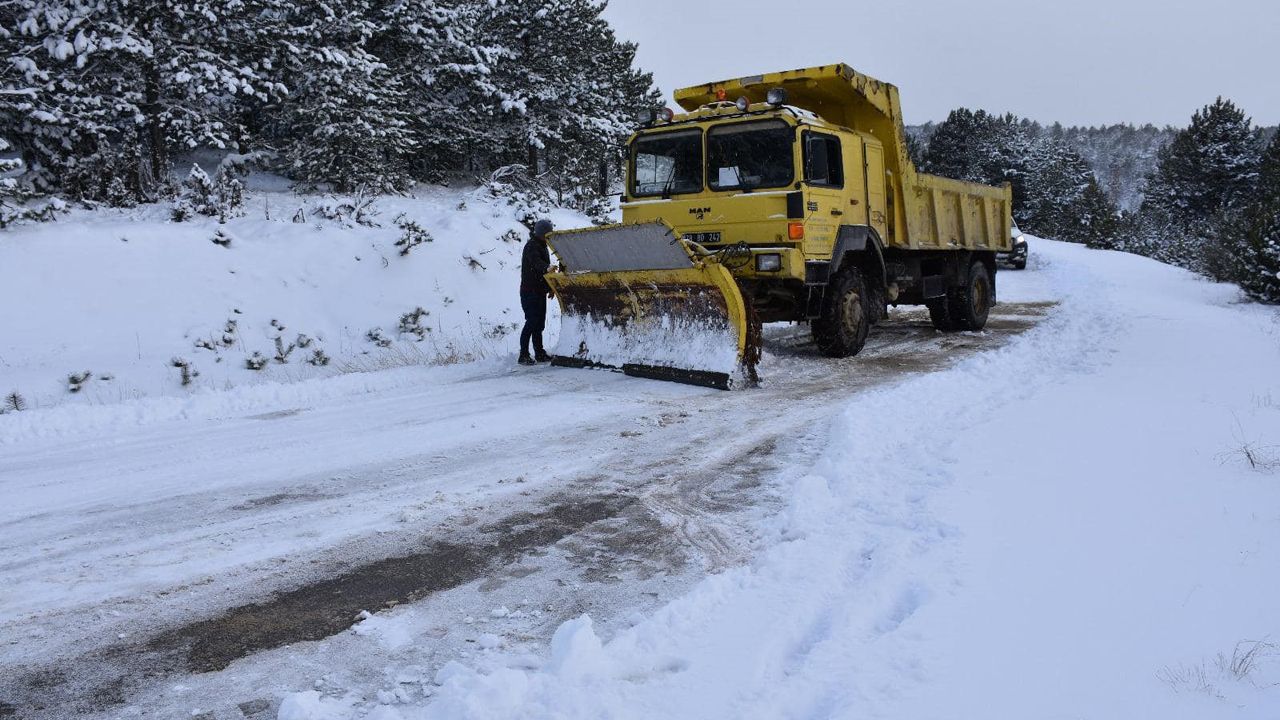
<point>1057,528</point>
<point>119,296</point>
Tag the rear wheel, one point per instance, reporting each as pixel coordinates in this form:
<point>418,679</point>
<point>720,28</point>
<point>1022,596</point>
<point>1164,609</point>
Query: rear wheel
<point>846,316</point>
<point>969,305</point>
<point>940,313</point>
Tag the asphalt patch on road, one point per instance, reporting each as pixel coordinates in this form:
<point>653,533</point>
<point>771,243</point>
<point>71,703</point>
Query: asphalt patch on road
<point>105,678</point>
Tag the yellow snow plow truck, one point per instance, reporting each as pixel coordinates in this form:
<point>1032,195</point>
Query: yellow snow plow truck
<point>780,197</point>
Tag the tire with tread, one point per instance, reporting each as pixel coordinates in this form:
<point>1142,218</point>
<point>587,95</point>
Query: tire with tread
<point>970,305</point>
<point>940,313</point>
<point>846,316</point>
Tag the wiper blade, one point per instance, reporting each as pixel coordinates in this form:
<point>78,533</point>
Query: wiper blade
<point>666,189</point>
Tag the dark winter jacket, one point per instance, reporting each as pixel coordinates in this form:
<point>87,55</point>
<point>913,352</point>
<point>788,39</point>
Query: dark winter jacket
<point>534,264</point>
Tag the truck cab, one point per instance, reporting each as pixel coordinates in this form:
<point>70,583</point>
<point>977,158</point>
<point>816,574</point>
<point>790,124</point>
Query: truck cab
<point>775,183</point>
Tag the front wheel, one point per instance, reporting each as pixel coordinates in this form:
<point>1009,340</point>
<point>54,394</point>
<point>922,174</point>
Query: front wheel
<point>846,316</point>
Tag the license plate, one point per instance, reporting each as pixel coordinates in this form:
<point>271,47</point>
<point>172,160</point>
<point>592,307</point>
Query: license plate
<point>703,238</point>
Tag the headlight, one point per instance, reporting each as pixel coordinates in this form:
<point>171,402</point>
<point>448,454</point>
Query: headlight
<point>776,96</point>
<point>1020,240</point>
<point>771,262</point>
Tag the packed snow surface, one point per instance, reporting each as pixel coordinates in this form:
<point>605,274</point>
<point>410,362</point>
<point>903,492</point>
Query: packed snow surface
<point>1082,522</point>
<point>1065,527</point>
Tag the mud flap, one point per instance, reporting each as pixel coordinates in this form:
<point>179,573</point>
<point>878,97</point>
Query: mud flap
<point>635,298</point>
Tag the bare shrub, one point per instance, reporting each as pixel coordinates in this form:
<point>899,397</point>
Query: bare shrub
<point>1262,458</point>
<point>1244,659</point>
<point>451,353</point>
<point>376,337</point>
<point>1188,677</point>
<point>1242,665</point>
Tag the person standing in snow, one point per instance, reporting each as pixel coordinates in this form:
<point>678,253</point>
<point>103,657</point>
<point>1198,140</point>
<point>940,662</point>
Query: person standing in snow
<point>534,291</point>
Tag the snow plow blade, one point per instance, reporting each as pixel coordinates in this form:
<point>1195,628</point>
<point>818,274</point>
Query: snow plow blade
<point>637,298</point>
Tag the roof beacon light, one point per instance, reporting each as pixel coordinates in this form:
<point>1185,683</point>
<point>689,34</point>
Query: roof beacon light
<point>777,96</point>
<point>721,94</point>
<point>743,104</point>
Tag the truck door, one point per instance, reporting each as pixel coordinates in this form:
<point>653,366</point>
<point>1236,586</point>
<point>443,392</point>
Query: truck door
<point>826,205</point>
<point>877,208</point>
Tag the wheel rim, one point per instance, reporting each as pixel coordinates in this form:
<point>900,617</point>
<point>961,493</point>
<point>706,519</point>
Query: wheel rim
<point>979,297</point>
<point>852,312</point>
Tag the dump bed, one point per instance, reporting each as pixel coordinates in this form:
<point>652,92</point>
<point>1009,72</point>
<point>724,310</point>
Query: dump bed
<point>925,212</point>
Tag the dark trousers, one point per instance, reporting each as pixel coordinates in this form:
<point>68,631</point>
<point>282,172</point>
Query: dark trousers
<point>534,304</point>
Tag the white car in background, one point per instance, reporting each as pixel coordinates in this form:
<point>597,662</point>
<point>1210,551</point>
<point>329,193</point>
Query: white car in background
<point>1017,257</point>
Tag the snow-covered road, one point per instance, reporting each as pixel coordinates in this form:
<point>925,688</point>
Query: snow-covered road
<point>1046,519</point>
<point>117,546</point>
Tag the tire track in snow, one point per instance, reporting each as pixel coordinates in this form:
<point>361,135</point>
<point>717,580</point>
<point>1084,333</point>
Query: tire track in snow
<point>697,499</point>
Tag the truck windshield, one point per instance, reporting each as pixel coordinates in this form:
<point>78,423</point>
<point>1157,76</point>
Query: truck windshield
<point>750,155</point>
<point>667,163</point>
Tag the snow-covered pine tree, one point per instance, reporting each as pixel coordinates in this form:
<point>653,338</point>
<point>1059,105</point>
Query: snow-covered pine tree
<point>196,196</point>
<point>99,97</point>
<point>984,148</point>
<point>66,97</point>
<point>11,193</point>
<point>102,93</point>
<point>1063,197</point>
<point>1258,232</point>
<point>563,90</point>
<point>1097,218</point>
<point>1210,166</point>
<point>1151,232</point>
<point>1122,155</point>
<point>345,123</point>
<point>432,47</point>
<point>1201,182</point>
<point>952,146</point>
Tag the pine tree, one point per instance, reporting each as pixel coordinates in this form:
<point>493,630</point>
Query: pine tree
<point>434,50</point>
<point>563,90</point>
<point>1197,192</point>
<point>1210,166</point>
<point>984,148</point>
<point>1259,232</point>
<point>103,93</point>
<point>99,97</point>
<point>346,116</point>
<point>11,194</point>
<point>1064,200</point>
<point>1099,220</point>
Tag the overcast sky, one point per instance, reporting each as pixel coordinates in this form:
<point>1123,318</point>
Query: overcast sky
<point>1075,61</point>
